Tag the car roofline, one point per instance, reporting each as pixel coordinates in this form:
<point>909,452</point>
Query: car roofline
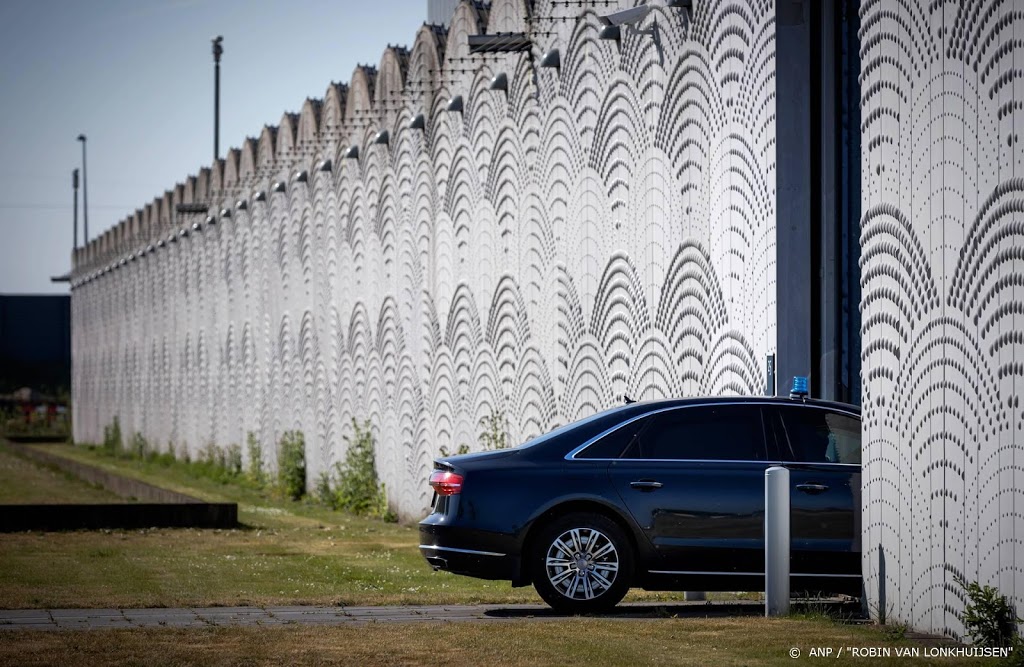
<point>760,400</point>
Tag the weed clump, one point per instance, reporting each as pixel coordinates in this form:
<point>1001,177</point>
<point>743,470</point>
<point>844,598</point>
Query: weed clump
<point>255,471</point>
<point>494,436</point>
<point>495,433</point>
<point>139,448</point>
<point>324,492</point>
<point>221,465</point>
<point>991,620</point>
<point>291,464</point>
<point>233,459</point>
<point>462,449</point>
<point>352,485</point>
<point>113,444</point>
<point>358,488</point>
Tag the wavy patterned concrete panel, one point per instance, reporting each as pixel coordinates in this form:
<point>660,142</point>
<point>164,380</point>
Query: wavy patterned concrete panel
<point>943,305</point>
<point>594,231</point>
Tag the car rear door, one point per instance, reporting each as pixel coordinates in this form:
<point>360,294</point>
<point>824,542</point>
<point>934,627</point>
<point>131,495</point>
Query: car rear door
<point>821,447</point>
<point>693,479</point>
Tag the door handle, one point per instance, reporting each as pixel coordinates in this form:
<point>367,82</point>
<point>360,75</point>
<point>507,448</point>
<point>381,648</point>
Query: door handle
<point>646,485</point>
<point>812,488</point>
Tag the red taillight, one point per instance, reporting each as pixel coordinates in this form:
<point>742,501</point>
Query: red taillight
<point>446,483</point>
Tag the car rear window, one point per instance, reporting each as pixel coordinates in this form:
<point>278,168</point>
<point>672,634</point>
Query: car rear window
<point>822,436</point>
<point>589,427</point>
<point>612,445</point>
<point>716,433</point>
<point>711,432</point>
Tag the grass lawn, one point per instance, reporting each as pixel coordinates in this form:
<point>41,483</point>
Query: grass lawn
<point>563,642</point>
<point>24,482</point>
<point>299,553</point>
<point>286,553</point>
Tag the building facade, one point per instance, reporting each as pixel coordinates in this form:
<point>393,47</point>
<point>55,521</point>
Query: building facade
<point>942,274</point>
<point>461,237</point>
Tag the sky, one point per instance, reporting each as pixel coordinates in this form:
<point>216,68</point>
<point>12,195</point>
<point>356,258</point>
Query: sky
<point>136,77</point>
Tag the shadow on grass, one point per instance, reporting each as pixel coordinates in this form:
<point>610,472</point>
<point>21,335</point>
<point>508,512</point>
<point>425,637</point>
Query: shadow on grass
<point>660,610</point>
<point>840,610</point>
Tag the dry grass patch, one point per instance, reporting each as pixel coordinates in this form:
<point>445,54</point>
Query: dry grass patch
<point>347,563</point>
<point>564,642</point>
<point>286,553</point>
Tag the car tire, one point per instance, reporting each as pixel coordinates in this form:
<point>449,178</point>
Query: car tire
<point>582,563</point>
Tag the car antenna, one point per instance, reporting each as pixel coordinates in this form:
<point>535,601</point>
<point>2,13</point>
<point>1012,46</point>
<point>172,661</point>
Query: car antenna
<point>627,399</point>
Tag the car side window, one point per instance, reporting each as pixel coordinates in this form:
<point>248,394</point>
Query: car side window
<point>822,436</point>
<point>612,445</point>
<point>710,432</point>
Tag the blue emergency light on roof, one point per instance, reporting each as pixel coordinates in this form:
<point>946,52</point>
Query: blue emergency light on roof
<point>799,389</point>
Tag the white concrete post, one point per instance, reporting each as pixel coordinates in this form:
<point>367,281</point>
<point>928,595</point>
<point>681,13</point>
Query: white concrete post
<point>776,541</point>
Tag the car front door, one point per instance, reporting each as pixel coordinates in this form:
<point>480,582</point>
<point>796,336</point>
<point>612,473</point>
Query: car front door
<point>821,448</point>
<point>693,479</point>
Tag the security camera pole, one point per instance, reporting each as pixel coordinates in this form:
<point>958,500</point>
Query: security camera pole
<point>217,51</point>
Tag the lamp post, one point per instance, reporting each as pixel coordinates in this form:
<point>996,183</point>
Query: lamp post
<point>74,186</point>
<point>85,196</point>
<point>217,51</point>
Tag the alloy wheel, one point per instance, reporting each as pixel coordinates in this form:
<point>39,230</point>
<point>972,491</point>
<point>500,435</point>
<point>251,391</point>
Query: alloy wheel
<point>582,563</point>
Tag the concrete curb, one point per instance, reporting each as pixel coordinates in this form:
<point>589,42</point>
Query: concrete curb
<point>97,619</point>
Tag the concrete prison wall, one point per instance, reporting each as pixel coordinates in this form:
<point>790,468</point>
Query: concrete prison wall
<point>601,229</point>
<point>942,236</point>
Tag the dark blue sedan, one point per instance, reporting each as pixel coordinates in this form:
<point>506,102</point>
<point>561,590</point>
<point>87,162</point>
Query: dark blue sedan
<point>663,495</point>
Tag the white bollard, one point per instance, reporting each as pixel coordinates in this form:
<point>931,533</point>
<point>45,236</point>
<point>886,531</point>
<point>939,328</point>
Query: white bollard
<point>776,541</point>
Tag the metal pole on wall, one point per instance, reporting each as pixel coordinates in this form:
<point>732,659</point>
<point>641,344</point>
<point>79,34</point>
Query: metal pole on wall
<point>776,541</point>
<point>217,51</point>
<point>74,187</point>
<point>85,196</point>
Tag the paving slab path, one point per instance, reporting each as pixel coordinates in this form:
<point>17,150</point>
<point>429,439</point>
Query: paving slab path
<point>95,619</point>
